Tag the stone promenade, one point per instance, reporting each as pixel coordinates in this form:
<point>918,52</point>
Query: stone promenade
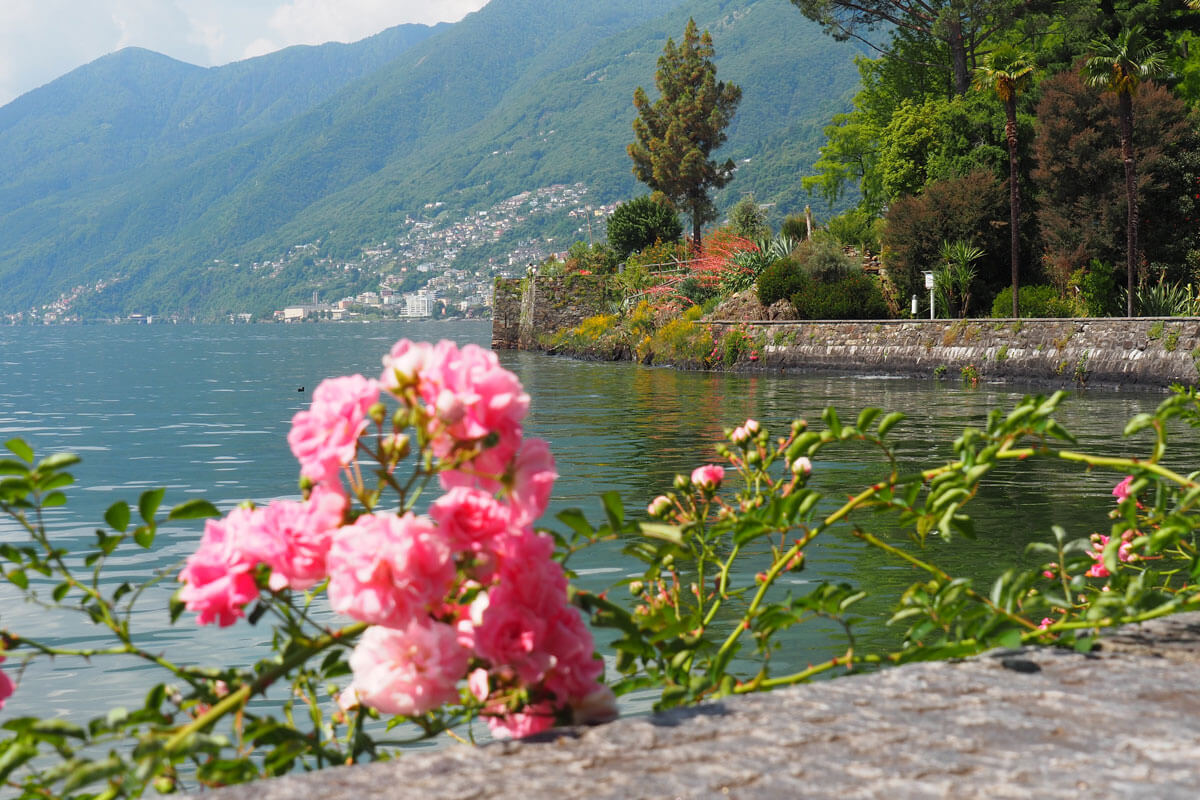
<point>1123,721</point>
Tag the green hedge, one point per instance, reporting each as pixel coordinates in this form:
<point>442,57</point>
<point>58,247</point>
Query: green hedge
<point>856,296</point>
<point>1035,301</point>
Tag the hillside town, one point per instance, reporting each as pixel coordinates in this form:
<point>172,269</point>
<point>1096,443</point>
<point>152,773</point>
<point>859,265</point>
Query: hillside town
<point>432,268</point>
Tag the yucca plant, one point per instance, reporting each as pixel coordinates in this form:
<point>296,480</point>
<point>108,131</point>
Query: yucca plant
<point>952,283</point>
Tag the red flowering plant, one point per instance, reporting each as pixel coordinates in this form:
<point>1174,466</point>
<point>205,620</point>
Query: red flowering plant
<point>435,618</point>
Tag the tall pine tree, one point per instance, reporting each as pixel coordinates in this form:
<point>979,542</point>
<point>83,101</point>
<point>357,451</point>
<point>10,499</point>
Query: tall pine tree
<point>676,134</point>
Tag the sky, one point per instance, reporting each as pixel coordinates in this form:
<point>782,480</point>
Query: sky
<point>43,39</point>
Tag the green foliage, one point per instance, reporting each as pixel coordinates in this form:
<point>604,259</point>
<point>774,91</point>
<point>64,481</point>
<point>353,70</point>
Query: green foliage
<point>956,209</point>
<point>1035,301</point>
<point>718,638</point>
<point>674,137</point>
<point>794,227</point>
<point>822,259</point>
<point>1096,285</point>
<point>641,223</point>
<point>856,228</point>
<point>748,220</point>
<point>682,340</point>
<point>340,146</point>
<point>780,280</point>
<point>1162,299</point>
<point>853,296</point>
<point>952,282</point>
<point>596,259</point>
<point>1079,177</point>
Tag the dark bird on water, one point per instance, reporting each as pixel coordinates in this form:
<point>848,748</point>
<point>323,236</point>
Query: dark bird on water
<point>301,389</point>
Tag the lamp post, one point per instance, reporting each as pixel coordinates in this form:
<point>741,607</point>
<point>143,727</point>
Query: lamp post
<point>929,286</point>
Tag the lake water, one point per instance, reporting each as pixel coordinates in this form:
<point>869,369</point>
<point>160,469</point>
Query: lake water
<point>205,411</point>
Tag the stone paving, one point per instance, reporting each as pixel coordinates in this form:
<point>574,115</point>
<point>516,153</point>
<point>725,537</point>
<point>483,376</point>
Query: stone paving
<point>1123,721</point>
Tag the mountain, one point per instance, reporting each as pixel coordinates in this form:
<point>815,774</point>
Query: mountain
<point>159,179</point>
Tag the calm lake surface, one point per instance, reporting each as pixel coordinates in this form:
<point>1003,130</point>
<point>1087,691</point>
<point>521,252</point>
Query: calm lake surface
<point>205,411</point>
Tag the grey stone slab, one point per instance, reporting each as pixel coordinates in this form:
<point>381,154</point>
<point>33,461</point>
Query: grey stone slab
<point>1123,721</point>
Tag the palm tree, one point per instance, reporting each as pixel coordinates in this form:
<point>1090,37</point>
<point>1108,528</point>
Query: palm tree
<point>1120,65</point>
<point>1008,72</point>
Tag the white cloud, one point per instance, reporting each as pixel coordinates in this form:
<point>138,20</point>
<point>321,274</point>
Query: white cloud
<point>318,21</point>
<point>43,39</point>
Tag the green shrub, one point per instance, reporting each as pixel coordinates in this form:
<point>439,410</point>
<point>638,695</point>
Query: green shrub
<point>780,280</point>
<point>1035,301</point>
<point>856,296</point>
<point>795,226</point>
<point>640,223</point>
<point>822,259</point>
<point>1098,290</point>
<point>855,228</point>
<point>748,219</point>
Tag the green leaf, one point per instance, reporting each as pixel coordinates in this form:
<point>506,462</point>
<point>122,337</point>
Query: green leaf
<point>831,420</point>
<point>1137,423</point>
<point>866,417</point>
<point>196,508</point>
<point>574,519</point>
<point>117,516</point>
<point>57,461</point>
<point>93,771</point>
<point>1010,639</point>
<point>144,535</point>
<point>889,422</point>
<point>613,509</point>
<point>667,533</point>
<point>149,502</point>
<point>9,466</point>
<point>19,578</point>
<point>20,450</point>
<point>54,500</point>
<point>15,754</point>
<point>57,727</point>
<point>61,591</point>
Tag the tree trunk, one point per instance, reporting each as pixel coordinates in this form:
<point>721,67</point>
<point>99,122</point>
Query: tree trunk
<point>958,55</point>
<point>1125,100</point>
<point>1014,197</point>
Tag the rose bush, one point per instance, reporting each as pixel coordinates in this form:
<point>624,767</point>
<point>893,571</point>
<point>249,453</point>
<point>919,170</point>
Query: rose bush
<point>393,623</point>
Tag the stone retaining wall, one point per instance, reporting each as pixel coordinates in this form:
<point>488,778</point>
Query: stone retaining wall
<point>1145,351</point>
<point>525,309</point>
<point>1123,721</point>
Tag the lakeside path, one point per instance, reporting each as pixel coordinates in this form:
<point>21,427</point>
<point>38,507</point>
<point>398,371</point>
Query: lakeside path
<point>1123,721</point>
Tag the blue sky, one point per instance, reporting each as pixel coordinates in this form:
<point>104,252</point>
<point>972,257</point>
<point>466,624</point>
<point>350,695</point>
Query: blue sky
<point>43,39</point>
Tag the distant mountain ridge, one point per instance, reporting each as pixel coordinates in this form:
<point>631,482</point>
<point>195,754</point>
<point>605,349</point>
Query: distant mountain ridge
<point>166,175</point>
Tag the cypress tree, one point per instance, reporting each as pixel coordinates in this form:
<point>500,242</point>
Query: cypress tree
<point>676,134</point>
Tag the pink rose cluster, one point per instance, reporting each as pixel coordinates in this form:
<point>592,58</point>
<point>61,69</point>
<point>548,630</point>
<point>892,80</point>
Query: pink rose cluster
<point>469,592</point>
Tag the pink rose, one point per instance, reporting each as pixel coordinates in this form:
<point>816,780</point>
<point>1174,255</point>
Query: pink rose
<point>659,506</point>
<point>576,669</point>
<point>517,725</point>
<point>219,577</point>
<point>1121,490</point>
<point>387,570</point>
<point>325,437</point>
<point>6,685</point>
<point>408,671</point>
<point>295,537</point>
<point>470,519</point>
<point>533,479</point>
<point>708,477</point>
<point>403,366</point>
<point>478,684</point>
